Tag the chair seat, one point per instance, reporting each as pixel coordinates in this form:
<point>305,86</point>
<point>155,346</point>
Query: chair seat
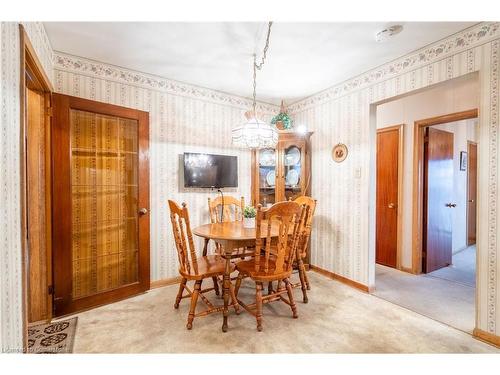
<point>247,267</point>
<point>208,266</point>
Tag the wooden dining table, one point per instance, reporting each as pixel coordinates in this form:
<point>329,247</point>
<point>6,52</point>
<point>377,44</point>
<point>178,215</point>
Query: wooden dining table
<point>231,236</point>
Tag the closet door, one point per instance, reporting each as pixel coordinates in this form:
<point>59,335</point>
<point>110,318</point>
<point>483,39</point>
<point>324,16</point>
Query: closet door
<point>100,203</point>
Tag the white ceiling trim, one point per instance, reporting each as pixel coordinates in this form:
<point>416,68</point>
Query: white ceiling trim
<point>464,40</point>
<point>91,68</point>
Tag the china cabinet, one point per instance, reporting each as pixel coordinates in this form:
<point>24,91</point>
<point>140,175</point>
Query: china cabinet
<point>284,172</point>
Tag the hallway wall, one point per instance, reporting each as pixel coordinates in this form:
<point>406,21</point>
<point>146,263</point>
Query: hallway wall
<point>451,96</point>
<point>343,239</point>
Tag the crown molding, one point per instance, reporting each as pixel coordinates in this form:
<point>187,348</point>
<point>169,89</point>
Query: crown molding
<point>87,67</point>
<point>463,40</point>
<point>471,37</point>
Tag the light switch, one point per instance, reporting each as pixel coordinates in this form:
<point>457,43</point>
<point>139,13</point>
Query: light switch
<point>357,173</point>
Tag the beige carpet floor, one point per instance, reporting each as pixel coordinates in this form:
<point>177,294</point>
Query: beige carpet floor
<point>446,301</point>
<point>463,269</point>
<point>337,319</point>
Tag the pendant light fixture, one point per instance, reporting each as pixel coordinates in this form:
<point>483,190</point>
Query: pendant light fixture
<point>256,133</point>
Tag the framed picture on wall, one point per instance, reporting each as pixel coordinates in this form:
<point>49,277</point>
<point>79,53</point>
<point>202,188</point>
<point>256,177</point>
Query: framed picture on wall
<point>463,160</point>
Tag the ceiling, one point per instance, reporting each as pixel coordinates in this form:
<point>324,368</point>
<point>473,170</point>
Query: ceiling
<point>303,58</point>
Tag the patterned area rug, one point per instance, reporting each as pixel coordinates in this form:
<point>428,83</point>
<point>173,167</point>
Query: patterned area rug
<point>52,338</point>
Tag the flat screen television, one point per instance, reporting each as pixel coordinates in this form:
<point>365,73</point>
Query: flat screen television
<point>210,171</point>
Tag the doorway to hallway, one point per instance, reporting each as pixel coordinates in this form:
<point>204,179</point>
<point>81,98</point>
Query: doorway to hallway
<point>440,283</point>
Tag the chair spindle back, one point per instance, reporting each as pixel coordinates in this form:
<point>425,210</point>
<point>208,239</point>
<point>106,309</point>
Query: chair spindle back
<point>232,209</point>
<point>310,203</point>
<point>288,217</point>
<point>183,237</point>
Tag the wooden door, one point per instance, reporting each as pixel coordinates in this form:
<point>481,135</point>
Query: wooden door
<point>38,208</point>
<point>471,192</point>
<point>388,149</point>
<point>100,203</point>
<point>438,199</point>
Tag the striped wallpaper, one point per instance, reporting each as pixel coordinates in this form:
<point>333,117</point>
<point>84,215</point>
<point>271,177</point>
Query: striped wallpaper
<point>189,118</point>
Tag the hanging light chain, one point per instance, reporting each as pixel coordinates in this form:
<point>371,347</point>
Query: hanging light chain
<point>259,66</point>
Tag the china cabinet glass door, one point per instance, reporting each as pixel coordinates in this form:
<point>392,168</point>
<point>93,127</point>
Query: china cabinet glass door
<point>292,171</point>
<point>267,176</point>
<point>281,173</point>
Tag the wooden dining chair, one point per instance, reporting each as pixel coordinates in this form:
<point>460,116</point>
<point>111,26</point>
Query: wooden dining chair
<point>194,268</point>
<point>303,245</point>
<point>227,209</point>
<point>273,260</point>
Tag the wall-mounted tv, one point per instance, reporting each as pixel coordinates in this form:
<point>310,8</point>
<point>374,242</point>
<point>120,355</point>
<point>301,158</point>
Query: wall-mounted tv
<point>210,171</point>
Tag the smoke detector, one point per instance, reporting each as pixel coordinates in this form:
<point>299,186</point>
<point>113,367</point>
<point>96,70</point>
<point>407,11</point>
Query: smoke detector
<point>385,34</point>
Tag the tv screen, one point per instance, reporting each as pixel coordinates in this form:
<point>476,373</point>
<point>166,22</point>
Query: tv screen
<point>210,171</point>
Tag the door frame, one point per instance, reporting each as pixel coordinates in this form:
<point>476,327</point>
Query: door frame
<point>418,178</point>
<point>467,215</point>
<point>399,229</point>
<point>29,63</point>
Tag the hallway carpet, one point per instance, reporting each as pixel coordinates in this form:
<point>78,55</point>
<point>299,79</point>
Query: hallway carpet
<point>337,319</point>
<point>446,301</point>
<point>463,269</point>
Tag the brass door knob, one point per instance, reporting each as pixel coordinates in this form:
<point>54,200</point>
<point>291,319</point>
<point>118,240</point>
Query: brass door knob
<point>143,211</point>
<point>391,205</point>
